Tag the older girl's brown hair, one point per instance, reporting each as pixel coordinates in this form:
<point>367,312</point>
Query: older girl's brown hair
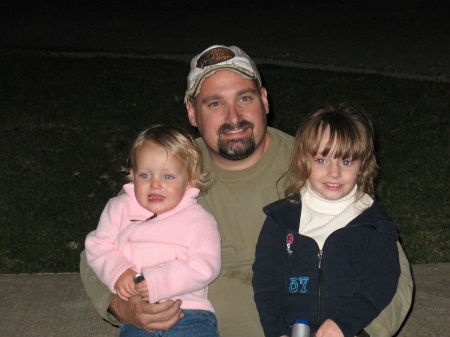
<point>181,145</point>
<point>351,133</point>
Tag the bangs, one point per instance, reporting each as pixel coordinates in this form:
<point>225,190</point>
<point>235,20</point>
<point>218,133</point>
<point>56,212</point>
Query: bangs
<point>347,140</point>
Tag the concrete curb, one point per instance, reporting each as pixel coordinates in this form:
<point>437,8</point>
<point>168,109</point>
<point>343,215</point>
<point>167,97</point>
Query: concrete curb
<point>57,305</point>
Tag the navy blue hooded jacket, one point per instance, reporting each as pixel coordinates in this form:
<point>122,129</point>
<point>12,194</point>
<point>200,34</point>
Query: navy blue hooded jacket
<point>350,281</point>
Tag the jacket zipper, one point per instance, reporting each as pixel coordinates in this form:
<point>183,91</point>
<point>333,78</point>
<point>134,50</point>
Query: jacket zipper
<point>319,304</point>
<point>150,218</point>
<point>320,258</point>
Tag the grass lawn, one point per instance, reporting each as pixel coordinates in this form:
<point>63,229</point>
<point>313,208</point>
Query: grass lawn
<point>66,125</point>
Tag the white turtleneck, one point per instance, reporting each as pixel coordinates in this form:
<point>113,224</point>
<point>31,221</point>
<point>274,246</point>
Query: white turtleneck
<point>320,217</point>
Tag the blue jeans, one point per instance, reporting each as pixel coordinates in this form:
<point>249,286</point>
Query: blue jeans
<point>195,323</point>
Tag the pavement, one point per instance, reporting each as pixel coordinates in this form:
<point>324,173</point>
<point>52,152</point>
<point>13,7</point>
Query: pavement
<point>403,38</point>
<point>57,305</point>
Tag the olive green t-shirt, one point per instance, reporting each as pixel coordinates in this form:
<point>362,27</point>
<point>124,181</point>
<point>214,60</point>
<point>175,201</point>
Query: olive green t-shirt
<point>236,199</point>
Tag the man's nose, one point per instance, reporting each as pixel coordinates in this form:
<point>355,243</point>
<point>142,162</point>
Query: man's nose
<point>233,114</point>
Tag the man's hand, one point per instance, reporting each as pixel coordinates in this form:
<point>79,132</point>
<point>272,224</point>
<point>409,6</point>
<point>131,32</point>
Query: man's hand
<point>146,316</point>
<point>329,329</point>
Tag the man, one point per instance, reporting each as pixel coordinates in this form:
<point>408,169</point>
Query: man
<point>225,100</point>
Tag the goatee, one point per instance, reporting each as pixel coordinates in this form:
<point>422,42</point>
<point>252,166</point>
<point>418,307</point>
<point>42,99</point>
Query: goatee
<point>237,148</point>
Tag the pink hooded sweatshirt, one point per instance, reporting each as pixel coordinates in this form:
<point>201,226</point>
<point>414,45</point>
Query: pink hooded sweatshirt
<point>178,252</point>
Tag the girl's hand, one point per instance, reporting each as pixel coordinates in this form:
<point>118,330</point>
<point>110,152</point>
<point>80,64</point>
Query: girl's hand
<point>329,329</point>
<point>141,289</point>
<point>125,286</point>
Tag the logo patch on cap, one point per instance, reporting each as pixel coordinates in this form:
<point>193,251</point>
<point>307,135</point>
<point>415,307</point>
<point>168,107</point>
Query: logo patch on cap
<point>214,56</point>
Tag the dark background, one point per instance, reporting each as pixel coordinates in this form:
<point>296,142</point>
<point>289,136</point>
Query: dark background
<point>399,37</point>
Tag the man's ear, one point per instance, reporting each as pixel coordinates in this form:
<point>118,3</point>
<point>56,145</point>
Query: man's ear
<point>264,99</point>
<point>191,113</point>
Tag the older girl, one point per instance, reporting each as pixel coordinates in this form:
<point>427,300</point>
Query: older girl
<point>328,252</point>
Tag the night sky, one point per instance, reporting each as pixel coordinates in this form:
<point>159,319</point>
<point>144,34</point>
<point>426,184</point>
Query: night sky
<point>387,36</point>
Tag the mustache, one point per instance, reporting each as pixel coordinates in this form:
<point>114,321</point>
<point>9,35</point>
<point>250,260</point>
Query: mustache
<point>230,127</point>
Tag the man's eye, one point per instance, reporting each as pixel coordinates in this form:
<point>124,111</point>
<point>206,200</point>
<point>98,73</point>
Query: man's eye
<point>246,98</point>
<point>213,104</point>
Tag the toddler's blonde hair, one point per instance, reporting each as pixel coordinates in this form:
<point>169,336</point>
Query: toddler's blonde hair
<point>181,145</point>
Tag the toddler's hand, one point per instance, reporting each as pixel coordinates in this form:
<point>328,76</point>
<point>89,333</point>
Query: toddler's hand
<point>329,329</point>
<point>141,289</point>
<point>125,286</point>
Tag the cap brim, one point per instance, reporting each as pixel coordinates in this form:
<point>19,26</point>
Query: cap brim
<point>194,90</point>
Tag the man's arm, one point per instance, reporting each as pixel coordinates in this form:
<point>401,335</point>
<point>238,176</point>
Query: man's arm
<point>391,318</point>
<point>98,293</point>
<point>143,315</point>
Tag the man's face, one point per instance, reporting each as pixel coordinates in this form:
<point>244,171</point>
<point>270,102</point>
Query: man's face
<point>230,114</point>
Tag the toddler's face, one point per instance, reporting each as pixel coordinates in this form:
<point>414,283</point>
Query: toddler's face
<point>160,179</point>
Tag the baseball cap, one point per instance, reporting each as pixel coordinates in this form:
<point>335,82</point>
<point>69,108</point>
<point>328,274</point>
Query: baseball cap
<point>217,58</point>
